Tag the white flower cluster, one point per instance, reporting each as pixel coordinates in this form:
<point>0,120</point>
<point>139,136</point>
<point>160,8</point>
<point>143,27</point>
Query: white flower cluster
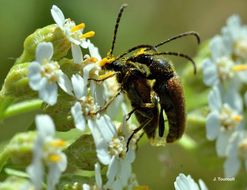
<point>184,182</point>
<point>226,73</point>
<point>47,152</point>
<point>45,75</point>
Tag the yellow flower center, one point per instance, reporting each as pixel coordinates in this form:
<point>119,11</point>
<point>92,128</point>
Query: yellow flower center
<point>78,27</point>
<point>240,67</point>
<point>117,147</point>
<point>243,148</point>
<point>240,48</point>
<point>54,158</point>
<point>229,118</point>
<point>57,143</point>
<point>89,34</point>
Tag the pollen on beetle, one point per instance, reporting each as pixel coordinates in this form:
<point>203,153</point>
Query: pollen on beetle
<point>89,34</point>
<point>240,67</point>
<point>141,51</point>
<point>78,27</point>
<point>106,75</point>
<point>106,60</point>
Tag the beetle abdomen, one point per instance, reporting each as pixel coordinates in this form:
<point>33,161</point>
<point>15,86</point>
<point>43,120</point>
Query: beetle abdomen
<point>176,113</point>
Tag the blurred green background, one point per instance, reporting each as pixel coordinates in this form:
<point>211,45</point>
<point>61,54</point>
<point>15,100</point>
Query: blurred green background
<point>144,22</point>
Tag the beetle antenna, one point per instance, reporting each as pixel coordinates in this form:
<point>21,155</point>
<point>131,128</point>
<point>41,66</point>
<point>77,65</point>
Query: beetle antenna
<point>116,27</point>
<point>136,48</point>
<point>190,33</point>
<point>151,47</point>
<point>179,55</point>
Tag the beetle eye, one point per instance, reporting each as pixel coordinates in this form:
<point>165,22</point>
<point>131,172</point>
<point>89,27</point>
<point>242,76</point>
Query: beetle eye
<point>144,59</point>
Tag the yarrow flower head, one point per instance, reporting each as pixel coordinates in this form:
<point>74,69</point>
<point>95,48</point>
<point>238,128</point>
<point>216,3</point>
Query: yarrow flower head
<point>236,152</point>
<point>47,152</point>
<point>184,182</point>
<point>222,121</point>
<point>227,64</point>
<point>98,180</point>
<point>225,72</point>
<point>121,154</point>
<point>45,74</point>
<point>73,32</point>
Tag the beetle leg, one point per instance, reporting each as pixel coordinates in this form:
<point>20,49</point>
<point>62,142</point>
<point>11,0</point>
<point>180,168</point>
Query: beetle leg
<point>105,106</point>
<point>161,123</point>
<point>144,124</point>
<point>103,77</point>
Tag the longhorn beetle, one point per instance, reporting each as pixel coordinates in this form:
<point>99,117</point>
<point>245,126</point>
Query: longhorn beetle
<point>134,72</point>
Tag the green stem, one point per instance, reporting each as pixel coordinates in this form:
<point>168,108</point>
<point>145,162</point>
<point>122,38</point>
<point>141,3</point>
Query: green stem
<point>23,107</point>
<point>3,158</point>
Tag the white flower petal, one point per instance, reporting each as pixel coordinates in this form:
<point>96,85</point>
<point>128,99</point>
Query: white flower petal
<point>80,122</point>
<point>100,141</point>
<point>185,183</point>
<point>202,185</point>
<point>34,75</point>
<point>98,178</point>
<point>48,93</point>
<point>58,16</point>
<point>242,76</point>
<point>87,69</point>
<point>112,171</point>
<point>45,125</point>
<point>217,48</point>
<point>212,125</point>
<point>79,86</point>
<point>53,176</point>
<point>36,173</point>
<point>85,187</point>
<point>245,164</point>
<point>125,171</point>
<point>94,51</point>
<point>62,164</point>
<point>65,84</point>
<point>98,92</point>
<point>210,76</point>
<point>234,99</point>
<point>233,28</point>
<point>74,40</point>
<point>222,142</point>
<point>232,147</point>
<point>76,53</point>
<point>106,128</point>
<point>231,166</point>
<point>44,51</point>
<point>130,156</point>
<point>85,44</point>
<point>214,99</point>
<point>103,154</point>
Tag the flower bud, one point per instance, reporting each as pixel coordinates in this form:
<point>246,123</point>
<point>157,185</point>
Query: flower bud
<point>51,33</point>
<point>16,83</point>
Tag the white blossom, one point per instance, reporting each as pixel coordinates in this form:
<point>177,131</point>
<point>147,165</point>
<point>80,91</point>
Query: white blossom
<point>236,153</point>
<point>184,182</point>
<point>73,32</point>
<point>222,120</point>
<point>45,74</point>
<point>47,152</point>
